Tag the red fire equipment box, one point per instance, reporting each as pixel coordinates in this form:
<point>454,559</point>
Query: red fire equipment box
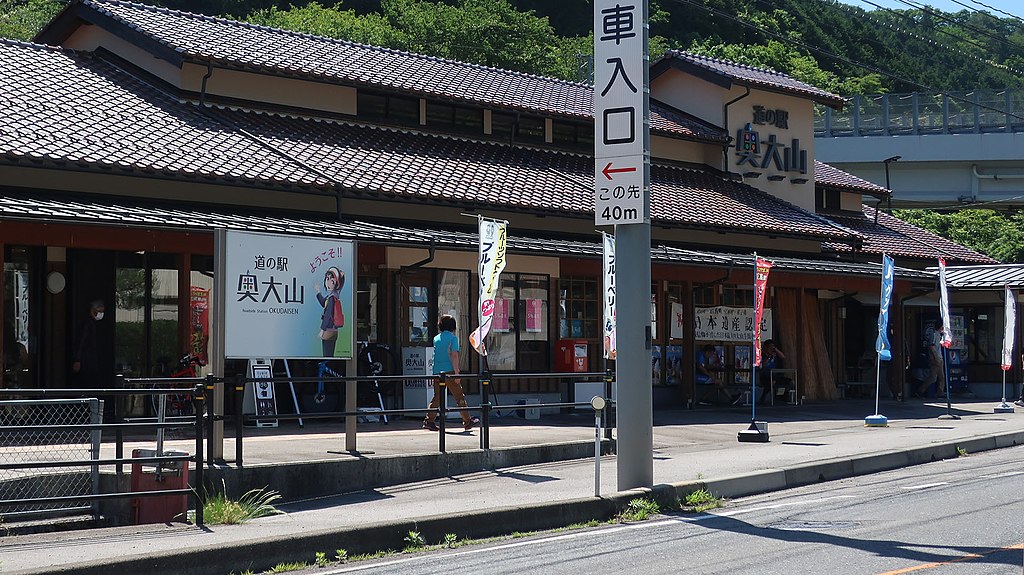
<point>571,356</point>
<point>149,477</point>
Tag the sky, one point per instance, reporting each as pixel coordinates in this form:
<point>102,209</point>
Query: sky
<point>1015,7</point>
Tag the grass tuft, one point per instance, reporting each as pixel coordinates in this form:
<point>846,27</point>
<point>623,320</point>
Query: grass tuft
<point>256,503</point>
<point>639,509</point>
<point>701,500</point>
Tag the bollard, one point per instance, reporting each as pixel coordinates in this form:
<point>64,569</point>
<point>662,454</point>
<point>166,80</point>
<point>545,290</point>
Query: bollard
<point>441,408</point>
<point>199,489</point>
<point>598,403</point>
<point>485,415</point>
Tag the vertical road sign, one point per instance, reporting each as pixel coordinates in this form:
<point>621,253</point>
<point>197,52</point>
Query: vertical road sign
<point>621,114</point>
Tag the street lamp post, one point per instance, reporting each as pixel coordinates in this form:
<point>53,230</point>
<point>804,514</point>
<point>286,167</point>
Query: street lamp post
<point>886,163</point>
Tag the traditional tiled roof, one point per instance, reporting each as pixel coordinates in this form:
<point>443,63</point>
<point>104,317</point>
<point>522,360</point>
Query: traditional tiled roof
<point>76,111</point>
<point>201,39</point>
<point>135,212</point>
<point>985,277</point>
<point>827,176</point>
<point>893,236</point>
<point>744,75</point>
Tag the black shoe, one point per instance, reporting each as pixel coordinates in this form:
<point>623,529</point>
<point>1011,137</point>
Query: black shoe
<point>430,425</point>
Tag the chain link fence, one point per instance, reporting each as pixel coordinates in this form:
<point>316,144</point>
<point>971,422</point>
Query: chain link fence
<point>18,447</point>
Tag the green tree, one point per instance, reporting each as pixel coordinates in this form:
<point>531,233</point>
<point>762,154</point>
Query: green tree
<point>22,19</point>
<point>995,234</point>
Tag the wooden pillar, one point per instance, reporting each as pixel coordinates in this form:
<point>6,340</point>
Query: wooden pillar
<point>688,385</point>
<point>806,373</point>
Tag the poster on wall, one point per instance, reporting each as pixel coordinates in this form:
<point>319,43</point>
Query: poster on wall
<point>199,324</point>
<point>533,315</point>
<point>501,316</point>
<point>741,363</point>
<point>722,323</point>
<point>676,331</point>
<point>288,296</point>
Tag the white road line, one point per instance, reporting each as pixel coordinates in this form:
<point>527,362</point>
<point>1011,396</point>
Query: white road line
<point>1002,475</point>
<point>924,486</point>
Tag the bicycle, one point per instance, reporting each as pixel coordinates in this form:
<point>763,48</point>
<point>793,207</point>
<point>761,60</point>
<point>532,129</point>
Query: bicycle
<point>178,404</point>
<point>373,359</point>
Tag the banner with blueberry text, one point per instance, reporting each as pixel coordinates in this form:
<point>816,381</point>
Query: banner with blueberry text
<point>492,262</point>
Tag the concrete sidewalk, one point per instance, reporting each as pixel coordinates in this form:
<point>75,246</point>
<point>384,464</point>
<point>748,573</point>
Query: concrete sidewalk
<point>692,449</point>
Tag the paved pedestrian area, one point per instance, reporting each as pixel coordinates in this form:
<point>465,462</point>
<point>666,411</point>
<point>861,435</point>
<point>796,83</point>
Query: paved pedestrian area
<point>689,446</point>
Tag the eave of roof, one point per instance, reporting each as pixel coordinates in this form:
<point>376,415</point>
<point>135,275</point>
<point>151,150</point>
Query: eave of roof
<point>890,235</point>
<point>25,205</point>
<point>832,178</point>
<point>725,73</point>
<point>985,277</point>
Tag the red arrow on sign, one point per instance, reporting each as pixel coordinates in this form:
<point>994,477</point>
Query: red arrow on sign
<point>608,170</point>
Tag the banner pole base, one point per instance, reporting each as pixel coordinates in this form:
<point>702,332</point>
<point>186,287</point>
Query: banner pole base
<point>1003,408</point>
<point>756,433</point>
<point>876,420</point>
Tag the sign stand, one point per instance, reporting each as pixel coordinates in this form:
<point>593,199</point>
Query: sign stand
<point>259,397</point>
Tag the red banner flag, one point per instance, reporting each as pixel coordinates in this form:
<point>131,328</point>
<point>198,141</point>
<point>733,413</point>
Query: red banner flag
<point>762,266</point>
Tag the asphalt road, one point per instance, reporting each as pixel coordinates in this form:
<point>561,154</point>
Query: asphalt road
<point>960,516</point>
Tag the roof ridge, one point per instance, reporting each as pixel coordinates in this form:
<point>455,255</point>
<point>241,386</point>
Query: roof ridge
<point>36,46</point>
<point>732,63</point>
<point>242,24</point>
<point>886,217</point>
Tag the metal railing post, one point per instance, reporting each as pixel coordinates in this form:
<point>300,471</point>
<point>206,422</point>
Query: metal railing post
<point>199,489</point>
<point>885,114</point>
<point>485,411</point>
<point>210,383</point>
<point>606,415</point>
<point>945,113</point>
<point>977,111</point>
<point>1008,109</point>
<point>856,116</point>
<point>441,409</point>
<point>915,103</point>
<point>239,395</point>
<point>118,434</point>
<point>96,439</point>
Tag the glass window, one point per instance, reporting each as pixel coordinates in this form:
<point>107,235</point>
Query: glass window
<point>19,313</point>
<point>579,308</point>
<point>739,296</point>
<point>440,116</point>
<point>416,313</point>
<point>530,129</point>
<point>704,295</point>
<point>367,309</point>
<point>501,350</point>
<point>502,125</point>
<point>532,306</point>
<point>404,111</point>
<point>469,120</point>
<point>371,106</point>
<point>453,299</point>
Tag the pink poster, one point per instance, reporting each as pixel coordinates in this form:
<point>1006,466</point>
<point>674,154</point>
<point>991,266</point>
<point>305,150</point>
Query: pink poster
<point>500,315</point>
<point>533,312</point>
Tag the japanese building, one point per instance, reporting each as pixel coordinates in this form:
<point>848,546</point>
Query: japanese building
<point>131,133</point>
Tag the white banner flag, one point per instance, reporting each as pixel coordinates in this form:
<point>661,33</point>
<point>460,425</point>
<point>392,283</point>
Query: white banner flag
<point>947,329</point>
<point>609,296</point>
<point>1010,326</point>
<point>492,262</point>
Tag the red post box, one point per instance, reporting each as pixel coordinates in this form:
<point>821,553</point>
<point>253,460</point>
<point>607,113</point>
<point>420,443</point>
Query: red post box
<point>572,356</point>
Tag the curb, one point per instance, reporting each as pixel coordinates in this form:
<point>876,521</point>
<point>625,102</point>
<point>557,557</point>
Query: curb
<point>264,554</point>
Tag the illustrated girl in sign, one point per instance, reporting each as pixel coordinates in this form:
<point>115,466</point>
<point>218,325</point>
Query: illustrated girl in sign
<point>333,317</point>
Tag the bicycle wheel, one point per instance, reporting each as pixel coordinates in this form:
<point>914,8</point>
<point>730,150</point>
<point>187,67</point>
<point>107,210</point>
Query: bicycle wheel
<point>377,359</point>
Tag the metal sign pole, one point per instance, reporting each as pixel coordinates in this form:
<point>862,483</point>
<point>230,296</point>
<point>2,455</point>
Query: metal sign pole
<point>621,198</point>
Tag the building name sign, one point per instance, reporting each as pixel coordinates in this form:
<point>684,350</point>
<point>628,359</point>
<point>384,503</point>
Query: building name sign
<point>765,117</point>
<point>770,153</point>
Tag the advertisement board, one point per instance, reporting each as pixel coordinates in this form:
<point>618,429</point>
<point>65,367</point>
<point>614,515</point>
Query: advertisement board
<point>288,296</point>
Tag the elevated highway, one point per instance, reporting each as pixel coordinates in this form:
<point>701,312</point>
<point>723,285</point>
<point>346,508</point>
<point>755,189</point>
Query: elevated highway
<point>954,149</point>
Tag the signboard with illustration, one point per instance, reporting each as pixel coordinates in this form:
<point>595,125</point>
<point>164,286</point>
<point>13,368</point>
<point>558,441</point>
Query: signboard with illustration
<point>289,296</point>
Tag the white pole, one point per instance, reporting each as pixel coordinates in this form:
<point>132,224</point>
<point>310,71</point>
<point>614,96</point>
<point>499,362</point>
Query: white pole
<point>878,379</point>
<point>597,453</point>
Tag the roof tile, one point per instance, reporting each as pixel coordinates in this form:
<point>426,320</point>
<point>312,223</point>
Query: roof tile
<point>832,177</point>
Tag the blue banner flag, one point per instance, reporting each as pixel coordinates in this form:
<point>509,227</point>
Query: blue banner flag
<point>882,343</point>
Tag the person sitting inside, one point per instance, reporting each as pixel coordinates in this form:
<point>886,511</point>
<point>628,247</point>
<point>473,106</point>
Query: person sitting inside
<point>708,362</point>
<point>771,358</point>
